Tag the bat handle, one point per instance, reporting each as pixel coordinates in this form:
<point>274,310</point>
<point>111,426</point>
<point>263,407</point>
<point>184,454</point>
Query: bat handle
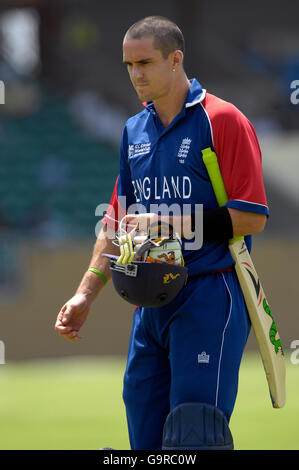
<point>211,162</point>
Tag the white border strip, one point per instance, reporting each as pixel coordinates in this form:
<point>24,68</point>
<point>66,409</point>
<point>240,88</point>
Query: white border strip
<point>249,202</point>
<point>223,334</point>
<point>209,123</point>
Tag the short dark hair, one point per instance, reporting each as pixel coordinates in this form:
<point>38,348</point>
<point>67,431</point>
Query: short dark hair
<point>167,35</point>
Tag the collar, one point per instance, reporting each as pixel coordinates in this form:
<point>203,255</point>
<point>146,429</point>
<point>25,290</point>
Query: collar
<point>195,95</point>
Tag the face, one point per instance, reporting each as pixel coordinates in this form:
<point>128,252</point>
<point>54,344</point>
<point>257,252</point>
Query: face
<point>150,74</point>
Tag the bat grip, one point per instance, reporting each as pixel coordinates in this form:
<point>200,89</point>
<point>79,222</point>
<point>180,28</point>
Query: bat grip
<point>211,162</point>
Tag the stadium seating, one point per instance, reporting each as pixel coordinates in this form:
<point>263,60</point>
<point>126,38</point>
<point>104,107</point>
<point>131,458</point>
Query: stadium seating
<point>52,175</point>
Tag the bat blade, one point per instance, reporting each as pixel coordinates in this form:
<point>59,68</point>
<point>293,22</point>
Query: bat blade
<point>262,321</point>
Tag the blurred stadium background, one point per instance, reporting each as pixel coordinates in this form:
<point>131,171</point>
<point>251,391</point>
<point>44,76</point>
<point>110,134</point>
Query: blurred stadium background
<point>67,96</point>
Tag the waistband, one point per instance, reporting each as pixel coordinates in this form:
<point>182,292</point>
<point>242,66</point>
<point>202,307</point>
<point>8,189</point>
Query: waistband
<point>222,271</point>
<point>217,271</point>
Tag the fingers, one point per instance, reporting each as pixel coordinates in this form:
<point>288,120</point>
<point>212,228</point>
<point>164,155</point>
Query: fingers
<point>68,333</point>
<point>71,336</point>
<point>137,222</point>
<point>64,331</point>
<point>65,314</point>
<point>142,220</point>
<point>126,222</point>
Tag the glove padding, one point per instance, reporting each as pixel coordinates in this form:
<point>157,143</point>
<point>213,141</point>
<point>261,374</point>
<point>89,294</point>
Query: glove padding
<point>160,245</point>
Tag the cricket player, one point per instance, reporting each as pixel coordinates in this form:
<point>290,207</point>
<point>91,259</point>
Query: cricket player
<point>181,379</point>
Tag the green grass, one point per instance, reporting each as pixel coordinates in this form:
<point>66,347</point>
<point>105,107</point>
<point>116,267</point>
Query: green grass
<point>62,404</point>
<point>255,424</point>
<point>77,404</point>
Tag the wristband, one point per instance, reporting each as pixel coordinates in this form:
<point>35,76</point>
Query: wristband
<point>99,273</point>
<point>217,224</point>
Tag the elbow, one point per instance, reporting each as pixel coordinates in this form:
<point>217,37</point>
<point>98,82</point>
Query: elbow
<point>260,223</point>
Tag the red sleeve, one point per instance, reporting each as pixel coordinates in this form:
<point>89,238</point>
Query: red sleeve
<point>239,155</point>
<point>115,211</point>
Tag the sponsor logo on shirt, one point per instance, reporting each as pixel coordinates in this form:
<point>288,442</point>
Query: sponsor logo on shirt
<point>137,150</point>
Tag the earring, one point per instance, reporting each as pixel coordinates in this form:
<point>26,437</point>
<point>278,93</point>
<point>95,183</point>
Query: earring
<point>173,70</point>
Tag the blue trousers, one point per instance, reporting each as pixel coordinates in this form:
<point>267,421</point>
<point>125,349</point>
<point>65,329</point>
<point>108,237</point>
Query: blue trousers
<point>188,351</point>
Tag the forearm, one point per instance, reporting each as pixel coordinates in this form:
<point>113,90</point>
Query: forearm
<point>236,223</point>
<point>246,223</point>
<point>209,225</point>
<point>91,283</point>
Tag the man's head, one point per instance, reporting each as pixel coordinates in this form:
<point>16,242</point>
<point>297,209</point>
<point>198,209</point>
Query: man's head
<point>153,51</point>
<point>167,35</point>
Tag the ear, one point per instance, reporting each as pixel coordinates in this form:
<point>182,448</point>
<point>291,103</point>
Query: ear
<point>177,58</point>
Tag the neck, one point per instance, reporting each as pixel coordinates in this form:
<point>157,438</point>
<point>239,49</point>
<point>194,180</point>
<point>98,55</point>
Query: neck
<point>169,106</point>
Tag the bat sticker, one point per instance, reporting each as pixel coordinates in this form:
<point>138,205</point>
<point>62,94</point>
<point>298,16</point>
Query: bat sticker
<point>256,283</point>
<point>273,330</point>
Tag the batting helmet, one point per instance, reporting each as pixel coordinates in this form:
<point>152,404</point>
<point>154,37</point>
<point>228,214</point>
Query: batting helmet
<point>156,273</point>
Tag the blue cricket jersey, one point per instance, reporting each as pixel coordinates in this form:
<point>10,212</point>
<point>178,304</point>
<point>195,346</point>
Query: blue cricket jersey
<point>163,166</point>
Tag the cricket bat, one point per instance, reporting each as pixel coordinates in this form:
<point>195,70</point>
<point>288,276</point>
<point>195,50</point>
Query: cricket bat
<point>262,320</point>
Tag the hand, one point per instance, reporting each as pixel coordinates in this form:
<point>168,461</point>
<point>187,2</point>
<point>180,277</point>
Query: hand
<point>139,221</point>
<point>72,316</point>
